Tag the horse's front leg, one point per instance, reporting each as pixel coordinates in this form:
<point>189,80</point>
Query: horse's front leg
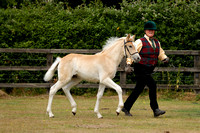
<point>99,96</point>
<point>109,82</point>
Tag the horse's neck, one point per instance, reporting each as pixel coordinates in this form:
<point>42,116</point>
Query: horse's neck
<point>115,53</point>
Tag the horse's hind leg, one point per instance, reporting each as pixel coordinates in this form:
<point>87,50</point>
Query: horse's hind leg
<point>99,95</point>
<point>66,90</point>
<point>112,84</point>
<point>52,92</point>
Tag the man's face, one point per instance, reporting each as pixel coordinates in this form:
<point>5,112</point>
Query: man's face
<point>150,33</point>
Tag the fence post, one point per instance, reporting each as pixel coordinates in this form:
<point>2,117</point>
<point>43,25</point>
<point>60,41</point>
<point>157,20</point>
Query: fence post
<point>197,74</point>
<point>123,75</point>
<point>49,63</point>
<point>49,60</point>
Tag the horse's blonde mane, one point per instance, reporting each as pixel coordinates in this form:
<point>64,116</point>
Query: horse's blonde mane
<point>110,42</point>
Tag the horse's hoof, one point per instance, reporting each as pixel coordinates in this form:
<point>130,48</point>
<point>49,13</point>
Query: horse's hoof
<point>74,113</point>
<point>100,117</point>
<point>51,115</point>
<point>117,113</point>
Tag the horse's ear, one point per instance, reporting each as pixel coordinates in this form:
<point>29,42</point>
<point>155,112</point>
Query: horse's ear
<point>128,37</point>
<point>133,37</point>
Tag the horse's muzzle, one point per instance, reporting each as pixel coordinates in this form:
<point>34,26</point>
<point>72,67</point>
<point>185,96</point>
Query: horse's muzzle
<point>136,58</point>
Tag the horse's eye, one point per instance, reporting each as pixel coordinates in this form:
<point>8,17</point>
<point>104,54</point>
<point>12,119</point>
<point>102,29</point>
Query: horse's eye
<point>130,46</point>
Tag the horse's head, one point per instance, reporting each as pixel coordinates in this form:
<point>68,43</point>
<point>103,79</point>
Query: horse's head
<point>130,49</point>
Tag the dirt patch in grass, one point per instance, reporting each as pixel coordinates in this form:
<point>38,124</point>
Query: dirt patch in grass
<point>186,96</point>
<point>3,94</point>
<point>95,126</point>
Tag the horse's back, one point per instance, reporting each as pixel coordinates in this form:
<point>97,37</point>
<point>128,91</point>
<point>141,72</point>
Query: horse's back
<point>87,67</point>
<point>78,64</point>
<point>82,58</point>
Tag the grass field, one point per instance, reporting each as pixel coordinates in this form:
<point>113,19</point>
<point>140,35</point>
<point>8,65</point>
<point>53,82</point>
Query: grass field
<point>28,115</point>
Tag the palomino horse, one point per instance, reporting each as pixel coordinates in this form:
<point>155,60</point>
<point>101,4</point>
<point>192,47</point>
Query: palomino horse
<point>100,67</point>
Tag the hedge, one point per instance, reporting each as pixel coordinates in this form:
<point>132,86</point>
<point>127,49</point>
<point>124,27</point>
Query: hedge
<point>88,27</point>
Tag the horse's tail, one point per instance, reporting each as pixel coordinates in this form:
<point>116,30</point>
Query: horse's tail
<point>49,74</point>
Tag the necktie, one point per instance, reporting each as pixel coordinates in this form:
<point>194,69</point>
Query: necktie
<point>153,43</point>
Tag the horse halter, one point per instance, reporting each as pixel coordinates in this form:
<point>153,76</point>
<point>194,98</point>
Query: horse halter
<point>126,48</point>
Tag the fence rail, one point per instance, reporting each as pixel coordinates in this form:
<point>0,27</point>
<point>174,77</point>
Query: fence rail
<point>50,52</point>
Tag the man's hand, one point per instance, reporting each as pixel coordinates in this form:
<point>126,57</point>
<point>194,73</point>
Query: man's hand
<point>128,69</point>
<point>166,60</point>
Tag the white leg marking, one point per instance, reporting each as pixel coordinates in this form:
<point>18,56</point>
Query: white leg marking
<point>99,96</point>
<point>110,83</point>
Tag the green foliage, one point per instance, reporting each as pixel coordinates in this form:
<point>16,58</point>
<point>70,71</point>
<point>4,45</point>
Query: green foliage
<point>50,26</point>
<point>7,3</point>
